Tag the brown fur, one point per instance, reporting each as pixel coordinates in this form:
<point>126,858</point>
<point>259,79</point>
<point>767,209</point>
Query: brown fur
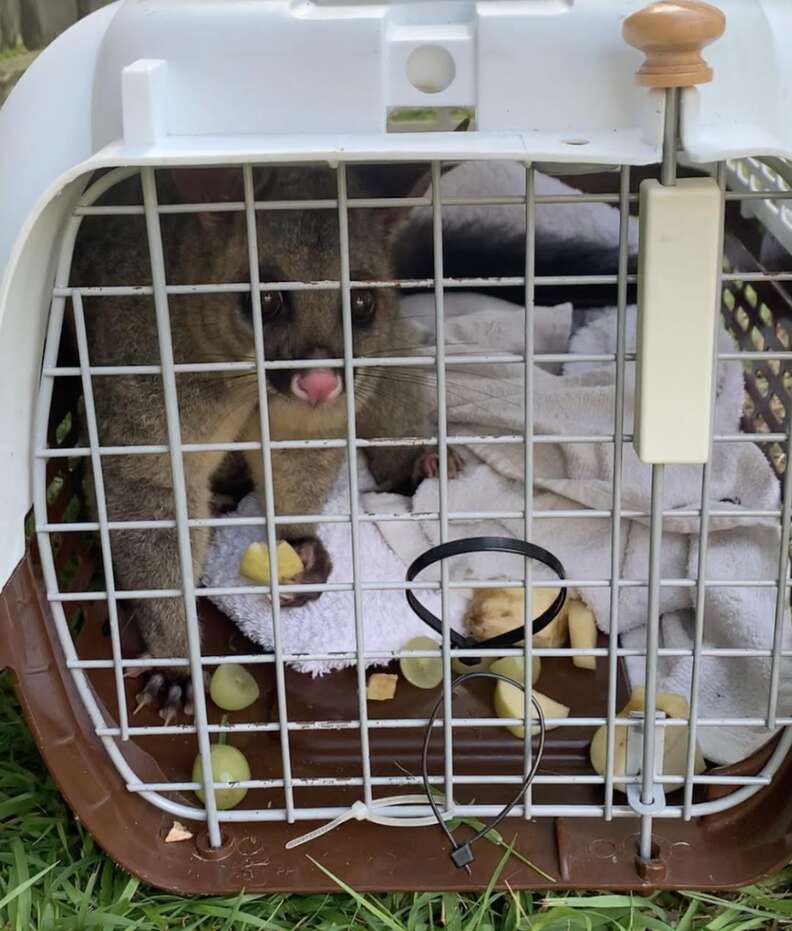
<point>294,245</point>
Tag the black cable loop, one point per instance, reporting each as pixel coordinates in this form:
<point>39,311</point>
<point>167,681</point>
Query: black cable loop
<point>461,854</point>
<point>487,545</point>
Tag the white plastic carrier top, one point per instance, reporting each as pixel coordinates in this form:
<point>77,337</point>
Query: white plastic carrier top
<point>228,81</point>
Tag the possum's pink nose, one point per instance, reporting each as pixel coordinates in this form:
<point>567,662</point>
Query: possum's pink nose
<point>317,386</point>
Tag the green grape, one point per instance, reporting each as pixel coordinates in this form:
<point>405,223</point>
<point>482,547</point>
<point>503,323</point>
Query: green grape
<point>424,672</point>
<point>228,765</point>
<point>233,688</point>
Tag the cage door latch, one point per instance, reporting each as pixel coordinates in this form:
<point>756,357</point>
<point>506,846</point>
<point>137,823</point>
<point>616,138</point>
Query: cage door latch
<point>678,287</point>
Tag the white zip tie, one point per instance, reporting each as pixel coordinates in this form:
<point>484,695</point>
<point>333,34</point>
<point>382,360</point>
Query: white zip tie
<point>362,812</point>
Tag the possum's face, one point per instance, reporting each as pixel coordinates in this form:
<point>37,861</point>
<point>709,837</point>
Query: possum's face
<point>300,249</point>
<point>303,248</point>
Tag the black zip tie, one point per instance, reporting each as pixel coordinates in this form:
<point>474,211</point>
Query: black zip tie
<point>462,854</point>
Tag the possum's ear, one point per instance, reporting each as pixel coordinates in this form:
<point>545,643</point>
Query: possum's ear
<point>214,186</point>
<point>399,181</point>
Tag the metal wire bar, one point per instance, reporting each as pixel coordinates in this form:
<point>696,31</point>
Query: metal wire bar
<point>618,459</point>
<point>442,467</point>
<point>463,516</point>
<point>329,285</point>
<point>101,511</point>
<point>528,475</point>
<point>357,203</point>
<point>269,487</point>
<point>763,355</point>
<point>458,440</point>
<point>354,497</point>
<point>179,493</point>
<point>704,530</point>
<point>414,724</point>
<point>564,779</point>
<point>467,584</point>
<point>782,600</point>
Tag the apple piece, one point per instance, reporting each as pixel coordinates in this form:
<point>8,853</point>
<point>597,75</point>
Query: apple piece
<point>381,686</point>
<point>510,703</point>
<point>255,564</point>
<point>513,667</point>
<point>582,634</point>
<point>676,738</point>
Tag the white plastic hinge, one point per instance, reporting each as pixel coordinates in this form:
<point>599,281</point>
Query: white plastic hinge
<point>143,102</point>
<point>678,286</point>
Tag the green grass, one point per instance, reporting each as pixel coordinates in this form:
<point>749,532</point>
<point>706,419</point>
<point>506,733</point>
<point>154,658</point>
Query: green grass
<point>13,51</point>
<point>53,878</point>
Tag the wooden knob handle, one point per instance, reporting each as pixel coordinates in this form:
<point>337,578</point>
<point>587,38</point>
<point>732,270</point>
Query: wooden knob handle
<point>672,34</point>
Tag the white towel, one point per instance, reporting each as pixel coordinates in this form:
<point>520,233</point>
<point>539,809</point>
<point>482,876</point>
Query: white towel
<point>592,222</point>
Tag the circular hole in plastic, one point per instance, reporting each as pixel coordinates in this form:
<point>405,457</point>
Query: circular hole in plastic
<point>576,141</point>
<point>206,851</point>
<point>430,69</point>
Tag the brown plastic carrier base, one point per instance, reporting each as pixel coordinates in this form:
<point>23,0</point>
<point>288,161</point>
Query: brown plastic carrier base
<point>721,851</point>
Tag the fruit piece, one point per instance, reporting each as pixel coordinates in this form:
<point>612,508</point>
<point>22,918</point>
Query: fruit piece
<point>381,686</point>
<point>482,665</point>
<point>513,667</point>
<point>582,634</point>
<point>178,833</point>
<point>676,738</point>
<point>228,765</point>
<point>255,563</point>
<point>233,688</point>
<point>556,634</point>
<point>424,672</point>
<point>495,611</point>
<point>510,703</point>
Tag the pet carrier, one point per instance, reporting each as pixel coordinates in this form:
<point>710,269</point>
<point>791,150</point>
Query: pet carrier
<point>692,586</point>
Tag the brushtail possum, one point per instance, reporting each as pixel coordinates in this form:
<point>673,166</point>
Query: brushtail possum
<point>222,407</point>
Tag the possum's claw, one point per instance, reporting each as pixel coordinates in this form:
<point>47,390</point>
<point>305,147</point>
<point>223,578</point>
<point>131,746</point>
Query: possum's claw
<point>189,699</point>
<point>135,672</point>
<point>150,691</point>
<point>317,567</point>
<point>428,465</point>
<point>179,694</point>
<point>172,704</point>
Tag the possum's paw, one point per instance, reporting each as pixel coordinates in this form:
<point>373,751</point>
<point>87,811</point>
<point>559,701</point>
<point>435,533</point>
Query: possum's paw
<point>169,689</point>
<point>428,465</point>
<point>318,565</point>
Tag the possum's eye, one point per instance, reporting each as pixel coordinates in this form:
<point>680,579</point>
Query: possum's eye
<point>364,304</point>
<point>273,304</point>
